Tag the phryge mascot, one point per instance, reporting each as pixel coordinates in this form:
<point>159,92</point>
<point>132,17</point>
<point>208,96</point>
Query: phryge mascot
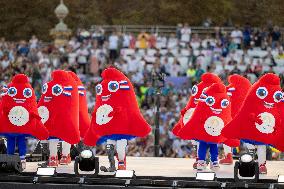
<point>84,118</point>
<point>19,116</point>
<point>207,80</point>
<point>116,117</point>
<point>258,122</point>
<point>237,90</point>
<point>59,110</point>
<point>209,118</point>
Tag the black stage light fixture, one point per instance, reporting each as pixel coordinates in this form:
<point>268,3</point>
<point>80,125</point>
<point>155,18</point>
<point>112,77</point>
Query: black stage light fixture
<point>86,161</point>
<point>10,164</point>
<point>246,167</point>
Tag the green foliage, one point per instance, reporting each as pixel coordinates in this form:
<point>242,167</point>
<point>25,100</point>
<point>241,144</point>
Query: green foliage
<point>22,18</point>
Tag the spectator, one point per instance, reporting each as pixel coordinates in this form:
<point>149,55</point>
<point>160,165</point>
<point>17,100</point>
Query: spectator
<point>237,37</point>
<point>113,46</point>
<point>143,38</point>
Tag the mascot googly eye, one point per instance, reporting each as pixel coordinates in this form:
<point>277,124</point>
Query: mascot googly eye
<point>278,96</point>
<point>210,100</point>
<point>113,86</point>
<point>225,103</point>
<point>28,92</point>
<point>12,91</point>
<point>194,90</point>
<point>44,88</point>
<point>261,92</point>
<point>57,90</point>
<point>99,89</point>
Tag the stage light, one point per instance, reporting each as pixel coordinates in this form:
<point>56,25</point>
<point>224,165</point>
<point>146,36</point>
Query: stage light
<point>124,174</point>
<point>10,163</point>
<point>46,171</point>
<point>86,161</point>
<point>205,176</point>
<point>246,167</point>
<point>280,179</point>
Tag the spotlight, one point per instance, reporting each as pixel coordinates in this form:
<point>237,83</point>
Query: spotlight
<point>246,167</point>
<point>205,176</point>
<point>10,163</point>
<point>124,174</point>
<point>46,171</point>
<point>86,161</point>
<point>280,179</point>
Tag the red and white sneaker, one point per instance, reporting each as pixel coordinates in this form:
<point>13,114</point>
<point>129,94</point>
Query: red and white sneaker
<point>195,164</point>
<point>201,165</point>
<point>52,161</point>
<point>65,160</point>
<point>228,160</point>
<point>262,169</point>
<point>121,165</point>
<point>214,166</point>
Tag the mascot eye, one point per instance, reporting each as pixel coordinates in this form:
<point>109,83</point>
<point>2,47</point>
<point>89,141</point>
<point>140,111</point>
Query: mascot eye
<point>44,88</point>
<point>113,86</point>
<point>278,96</point>
<point>27,92</point>
<point>210,100</point>
<point>99,89</point>
<point>225,103</point>
<point>194,90</point>
<point>12,91</point>
<point>261,92</point>
<point>57,90</point>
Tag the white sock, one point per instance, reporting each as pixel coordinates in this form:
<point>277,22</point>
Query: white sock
<point>227,149</point>
<point>261,154</point>
<point>65,148</point>
<point>53,147</point>
<point>121,149</point>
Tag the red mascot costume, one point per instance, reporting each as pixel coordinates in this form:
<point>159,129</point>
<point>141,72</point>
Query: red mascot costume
<point>19,116</point>
<point>209,118</point>
<point>116,117</point>
<point>207,80</point>
<point>237,90</point>
<point>258,120</point>
<point>84,118</point>
<point>59,110</point>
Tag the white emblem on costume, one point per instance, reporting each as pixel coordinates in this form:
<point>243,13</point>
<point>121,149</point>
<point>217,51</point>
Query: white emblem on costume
<point>18,116</point>
<point>43,113</point>
<point>268,123</point>
<point>187,115</point>
<point>214,125</point>
<point>102,114</point>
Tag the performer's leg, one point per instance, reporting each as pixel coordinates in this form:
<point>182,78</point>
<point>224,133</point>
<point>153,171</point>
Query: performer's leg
<point>214,165</point>
<point>202,150</point>
<point>11,141</point>
<point>65,159</point>
<point>110,148</point>
<point>121,153</point>
<point>228,160</point>
<point>53,159</point>
<point>261,154</point>
<point>196,144</point>
<point>21,141</point>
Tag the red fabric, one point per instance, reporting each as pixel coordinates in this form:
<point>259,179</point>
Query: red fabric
<point>237,90</point>
<point>33,125</point>
<point>63,121</point>
<point>197,127</point>
<point>254,121</point>
<point>124,118</point>
<point>207,79</point>
<point>84,118</point>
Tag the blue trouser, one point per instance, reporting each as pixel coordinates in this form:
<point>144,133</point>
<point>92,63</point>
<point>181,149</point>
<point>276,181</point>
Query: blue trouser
<point>20,140</point>
<point>203,146</point>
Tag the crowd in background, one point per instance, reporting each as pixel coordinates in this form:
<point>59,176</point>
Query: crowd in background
<point>180,57</point>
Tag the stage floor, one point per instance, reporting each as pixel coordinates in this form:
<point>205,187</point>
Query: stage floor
<point>168,167</point>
